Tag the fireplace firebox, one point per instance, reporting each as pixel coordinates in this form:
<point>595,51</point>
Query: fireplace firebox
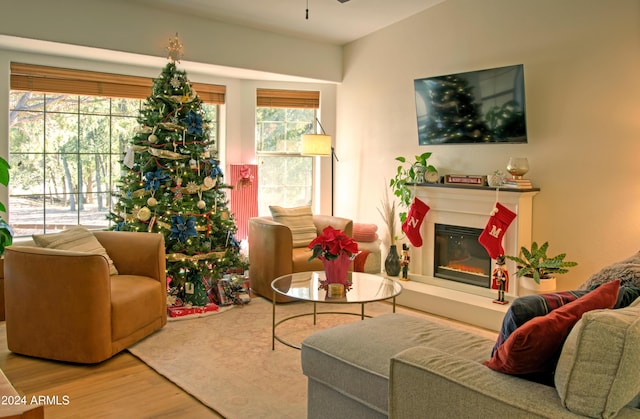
<point>458,256</point>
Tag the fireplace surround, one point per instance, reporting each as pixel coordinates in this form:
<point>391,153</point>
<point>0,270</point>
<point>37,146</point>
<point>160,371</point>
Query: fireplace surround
<point>468,207</point>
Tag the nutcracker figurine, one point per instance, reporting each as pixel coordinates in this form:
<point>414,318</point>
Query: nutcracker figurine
<point>500,280</point>
<point>404,262</point>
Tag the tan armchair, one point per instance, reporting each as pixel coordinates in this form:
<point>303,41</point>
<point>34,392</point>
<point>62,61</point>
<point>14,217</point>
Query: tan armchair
<point>65,306</point>
<point>271,251</point>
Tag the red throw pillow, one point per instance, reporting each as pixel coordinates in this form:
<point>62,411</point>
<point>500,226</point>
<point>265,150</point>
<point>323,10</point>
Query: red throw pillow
<point>534,347</point>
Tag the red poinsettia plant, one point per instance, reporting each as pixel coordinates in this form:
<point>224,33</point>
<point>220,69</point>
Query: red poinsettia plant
<point>331,244</point>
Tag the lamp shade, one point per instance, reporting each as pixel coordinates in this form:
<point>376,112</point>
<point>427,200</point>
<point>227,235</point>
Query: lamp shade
<point>316,145</point>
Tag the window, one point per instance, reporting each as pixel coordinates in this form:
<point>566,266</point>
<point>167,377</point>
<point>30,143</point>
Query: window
<point>64,153</point>
<point>284,176</point>
<point>65,149</point>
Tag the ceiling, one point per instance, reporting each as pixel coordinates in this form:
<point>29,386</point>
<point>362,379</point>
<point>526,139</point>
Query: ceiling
<point>329,20</point>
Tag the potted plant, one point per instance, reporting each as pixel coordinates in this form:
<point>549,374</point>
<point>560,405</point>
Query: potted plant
<point>6,233</point>
<point>388,213</point>
<point>336,251</point>
<point>540,269</point>
<point>418,172</point>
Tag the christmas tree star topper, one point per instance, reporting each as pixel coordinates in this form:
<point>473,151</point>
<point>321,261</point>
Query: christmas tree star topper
<point>175,49</point>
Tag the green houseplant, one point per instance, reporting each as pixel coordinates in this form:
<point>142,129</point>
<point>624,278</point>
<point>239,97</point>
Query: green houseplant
<point>409,175</point>
<point>535,263</point>
<point>6,232</point>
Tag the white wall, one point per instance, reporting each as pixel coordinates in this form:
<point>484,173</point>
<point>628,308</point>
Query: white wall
<point>123,26</point>
<point>582,61</point>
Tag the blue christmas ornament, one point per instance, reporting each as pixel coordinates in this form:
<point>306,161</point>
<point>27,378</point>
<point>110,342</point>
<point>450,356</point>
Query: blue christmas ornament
<point>215,169</point>
<point>154,179</point>
<point>234,242</point>
<point>183,229</point>
<point>193,121</point>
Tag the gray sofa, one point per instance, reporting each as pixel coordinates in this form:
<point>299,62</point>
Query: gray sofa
<point>402,366</point>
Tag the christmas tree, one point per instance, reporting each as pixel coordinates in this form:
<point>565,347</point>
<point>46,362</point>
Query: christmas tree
<point>172,184</point>
<point>453,115</point>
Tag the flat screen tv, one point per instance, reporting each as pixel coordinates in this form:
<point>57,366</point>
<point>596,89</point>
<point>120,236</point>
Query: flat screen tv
<point>485,106</point>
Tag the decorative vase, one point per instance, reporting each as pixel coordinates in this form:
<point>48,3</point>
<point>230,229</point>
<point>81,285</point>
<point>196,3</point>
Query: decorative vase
<point>336,270</point>
<point>419,171</point>
<point>392,262</point>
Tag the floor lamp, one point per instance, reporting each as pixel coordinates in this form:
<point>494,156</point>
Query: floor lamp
<point>320,145</point>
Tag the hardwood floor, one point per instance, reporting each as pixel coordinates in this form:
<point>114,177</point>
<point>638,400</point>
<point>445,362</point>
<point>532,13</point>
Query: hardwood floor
<point>122,386</point>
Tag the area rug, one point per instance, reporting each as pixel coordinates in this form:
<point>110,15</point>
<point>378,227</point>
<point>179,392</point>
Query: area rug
<point>227,363</point>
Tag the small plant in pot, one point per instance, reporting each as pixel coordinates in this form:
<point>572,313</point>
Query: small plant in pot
<point>416,173</point>
<point>388,213</point>
<point>534,263</point>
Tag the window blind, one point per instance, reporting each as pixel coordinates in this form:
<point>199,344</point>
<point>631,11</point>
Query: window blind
<point>37,78</point>
<point>276,98</point>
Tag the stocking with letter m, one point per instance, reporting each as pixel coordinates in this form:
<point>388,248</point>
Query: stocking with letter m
<point>411,226</point>
<point>491,236</point>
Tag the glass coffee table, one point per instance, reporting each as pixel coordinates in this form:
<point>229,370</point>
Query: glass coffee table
<point>305,286</point>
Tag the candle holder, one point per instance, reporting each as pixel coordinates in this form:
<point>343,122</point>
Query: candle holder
<point>518,166</point>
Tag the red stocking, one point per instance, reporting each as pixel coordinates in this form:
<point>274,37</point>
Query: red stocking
<point>411,225</point>
<point>491,236</point>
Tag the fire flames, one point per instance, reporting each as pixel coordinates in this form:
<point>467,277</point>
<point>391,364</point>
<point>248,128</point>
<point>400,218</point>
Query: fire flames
<point>466,268</point>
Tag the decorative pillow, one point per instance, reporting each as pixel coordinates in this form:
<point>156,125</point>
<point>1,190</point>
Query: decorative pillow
<point>360,260</point>
<point>535,346</point>
<point>77,239</point>
<point>627,271</point>
<point>597,379</point>
<point>300,222</point>
<point>365,233</point>
<point>627,296</point>
<point>523,309</point>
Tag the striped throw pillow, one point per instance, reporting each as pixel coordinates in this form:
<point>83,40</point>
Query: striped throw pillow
<point>300,222</point>
<point>76,239</point>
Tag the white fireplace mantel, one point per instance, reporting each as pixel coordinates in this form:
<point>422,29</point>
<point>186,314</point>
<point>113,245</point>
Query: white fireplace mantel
<point>466,206</point>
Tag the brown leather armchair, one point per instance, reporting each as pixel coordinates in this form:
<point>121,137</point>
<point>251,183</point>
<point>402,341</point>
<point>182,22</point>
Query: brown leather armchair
<point>65,306</point>
<point>271,251</point>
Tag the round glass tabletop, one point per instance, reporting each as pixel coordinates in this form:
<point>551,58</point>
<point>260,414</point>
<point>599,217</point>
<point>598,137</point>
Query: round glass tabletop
<point>365,288</point>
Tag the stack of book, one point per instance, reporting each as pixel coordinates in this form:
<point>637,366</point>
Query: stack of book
<point>517,183</point>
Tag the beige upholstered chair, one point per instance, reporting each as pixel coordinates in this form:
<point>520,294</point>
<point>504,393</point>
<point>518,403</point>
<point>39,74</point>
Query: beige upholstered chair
<point>65,305</point>
<point>272,253</point>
